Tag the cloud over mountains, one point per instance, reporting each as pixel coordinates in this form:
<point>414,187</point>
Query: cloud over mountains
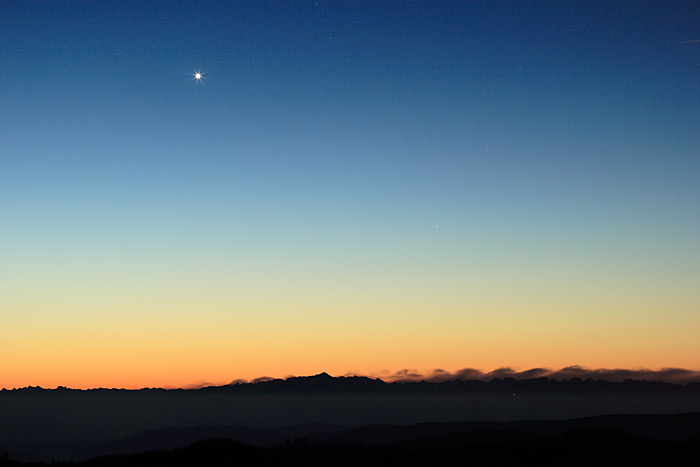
<point>680,376</point>
<point>669,375</point>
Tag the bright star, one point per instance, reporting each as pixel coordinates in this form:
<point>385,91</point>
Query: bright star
<point>198,76</point>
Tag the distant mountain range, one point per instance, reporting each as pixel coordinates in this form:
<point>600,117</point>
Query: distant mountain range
<point>60,424</point>
<point>323,383</point>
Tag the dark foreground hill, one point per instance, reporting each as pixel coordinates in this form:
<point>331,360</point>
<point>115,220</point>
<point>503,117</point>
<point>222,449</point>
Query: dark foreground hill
<point>611,440</point>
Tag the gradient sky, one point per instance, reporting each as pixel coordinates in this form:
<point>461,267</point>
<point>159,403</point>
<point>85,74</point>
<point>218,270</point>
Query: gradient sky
<point>353,187</point>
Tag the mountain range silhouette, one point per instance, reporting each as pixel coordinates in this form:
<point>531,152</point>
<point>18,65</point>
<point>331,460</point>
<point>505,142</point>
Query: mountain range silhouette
<point>44,425</point>
<point>324,383</point>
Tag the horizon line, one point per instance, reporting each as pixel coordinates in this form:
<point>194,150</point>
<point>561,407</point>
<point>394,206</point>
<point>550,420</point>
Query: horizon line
<point>673,375</point>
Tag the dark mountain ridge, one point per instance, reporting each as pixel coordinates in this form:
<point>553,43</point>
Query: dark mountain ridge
<point>324,383</point>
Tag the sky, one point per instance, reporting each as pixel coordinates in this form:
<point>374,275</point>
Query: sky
<point>353,187</point>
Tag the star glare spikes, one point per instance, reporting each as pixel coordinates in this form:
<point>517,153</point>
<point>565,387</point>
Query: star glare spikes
<point>198,76</point>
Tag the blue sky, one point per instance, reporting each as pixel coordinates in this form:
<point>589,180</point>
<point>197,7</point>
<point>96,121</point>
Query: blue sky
<point>439,154</point>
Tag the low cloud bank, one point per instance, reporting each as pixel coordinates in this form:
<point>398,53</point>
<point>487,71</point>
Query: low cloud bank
<point>669,375</point>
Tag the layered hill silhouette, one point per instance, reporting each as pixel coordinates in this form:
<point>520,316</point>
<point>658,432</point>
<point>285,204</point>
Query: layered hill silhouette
<point>684,428</point>
<point>609,440</point>
<point>62,424</point>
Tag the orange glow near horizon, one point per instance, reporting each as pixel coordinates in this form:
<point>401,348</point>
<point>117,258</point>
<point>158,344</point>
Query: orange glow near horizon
<point>170,347</point>
<point>193,355</point>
